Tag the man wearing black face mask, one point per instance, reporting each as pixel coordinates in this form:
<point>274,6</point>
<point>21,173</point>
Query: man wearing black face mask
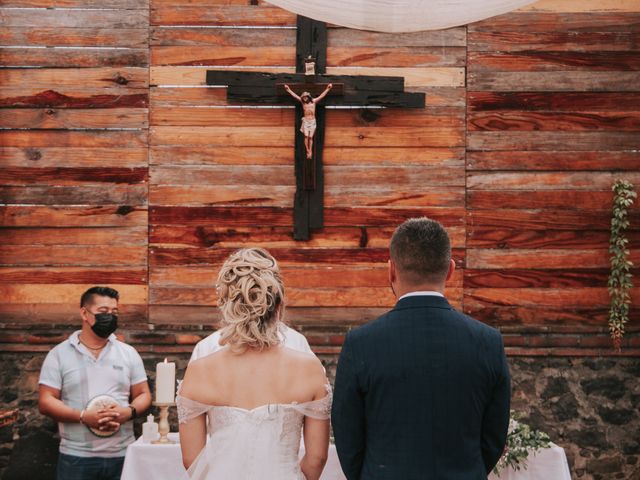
<point>93,364</point>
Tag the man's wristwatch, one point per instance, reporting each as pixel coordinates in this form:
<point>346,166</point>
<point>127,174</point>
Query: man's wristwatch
<point>134,412</point>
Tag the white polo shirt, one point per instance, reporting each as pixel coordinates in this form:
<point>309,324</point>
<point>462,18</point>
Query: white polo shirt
<point>291,338</point>
<point>71,368</point>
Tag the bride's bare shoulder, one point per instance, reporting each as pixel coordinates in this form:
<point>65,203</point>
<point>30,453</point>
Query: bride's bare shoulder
<point>305,359</point>
<point>309,367</point>
<point>199,371</point>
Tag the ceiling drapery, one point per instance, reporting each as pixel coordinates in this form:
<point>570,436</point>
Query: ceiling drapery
<point>399,15</point>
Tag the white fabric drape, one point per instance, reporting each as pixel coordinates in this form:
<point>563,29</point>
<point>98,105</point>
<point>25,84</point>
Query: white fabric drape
<point>399,15</point>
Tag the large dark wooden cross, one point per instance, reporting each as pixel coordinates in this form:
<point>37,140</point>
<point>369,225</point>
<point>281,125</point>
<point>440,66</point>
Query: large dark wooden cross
<point>349,90</point>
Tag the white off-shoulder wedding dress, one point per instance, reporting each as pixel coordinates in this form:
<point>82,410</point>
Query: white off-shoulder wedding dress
<point>257,444</point>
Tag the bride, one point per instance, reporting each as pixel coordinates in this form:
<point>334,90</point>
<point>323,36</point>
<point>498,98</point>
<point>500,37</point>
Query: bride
<point>254,397</point>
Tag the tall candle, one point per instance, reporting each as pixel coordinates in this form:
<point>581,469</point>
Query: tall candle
<point>165,382</point>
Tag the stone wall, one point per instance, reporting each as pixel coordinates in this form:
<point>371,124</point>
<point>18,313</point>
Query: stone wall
<point>589,406</point>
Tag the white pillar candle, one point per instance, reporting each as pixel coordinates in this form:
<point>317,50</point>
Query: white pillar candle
<point>165,382</point>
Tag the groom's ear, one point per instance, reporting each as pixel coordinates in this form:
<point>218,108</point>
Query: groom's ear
<point>452,268</point>
<point>392,271</point>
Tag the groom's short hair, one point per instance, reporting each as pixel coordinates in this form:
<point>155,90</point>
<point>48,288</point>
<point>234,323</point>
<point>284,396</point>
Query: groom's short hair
<point>421,251</point>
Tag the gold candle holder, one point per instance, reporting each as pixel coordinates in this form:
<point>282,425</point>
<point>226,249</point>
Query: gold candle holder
<point>163,424</point>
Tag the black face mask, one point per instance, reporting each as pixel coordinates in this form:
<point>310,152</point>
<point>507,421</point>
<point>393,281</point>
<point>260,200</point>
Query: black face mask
<point>106,324</point>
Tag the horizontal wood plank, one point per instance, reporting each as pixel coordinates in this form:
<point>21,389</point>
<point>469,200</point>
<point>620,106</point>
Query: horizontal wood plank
<point>278,136</point>
<point>51,157</point>
<point>557,238</point>
<point>519,197</point>
<point>297,277</point>
<point>559,141</point>
<point>548,219</point>
<point>267,216</point>
<point>247,116</point>
<point>554,101</point>
<point>348,37</point>
<point>577,6</point>
<point>535,278</point>
<point>223,56</point>
<point>26,97</point>
<point>497,120</point>
<point>53,255</point>
<point>221,15</point>
<point>550,22</point>
<point>414,76</point>
<point>422,56</point>
<point>66,176</point>
<point>51,17</point>
<point>551,319</point>
<point>541,297</point>
<point>178,155</point>
<point>72,57</point>
<point>559,161</point>
<point>538,61</point>
<point>75,195</point>
<point>113,4</point>
<point>297,316</point>
<point>538,259</point>
<point>414,176</point>
<point>546,180</point>
<point>75,37</point>
<point>65,293</point>
<point>280,237</point>
<point>77,235</point>
<point>282,196</point>
<point>60,138</point>
<point>62,315</point>
<point>211,195</point>
<point>553,41</point>
<point>554,81</point>
<point>122,78</point>
<point>295,297</point>
<point>53,118</point>
<point>74,275</point>
<point>72,216</point>
<point>222,37</point>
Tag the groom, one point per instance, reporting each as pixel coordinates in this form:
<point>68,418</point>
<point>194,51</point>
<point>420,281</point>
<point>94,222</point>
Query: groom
<point>423,391</point>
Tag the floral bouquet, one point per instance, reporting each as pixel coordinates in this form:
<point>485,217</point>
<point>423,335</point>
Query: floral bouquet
<point>521,440</point>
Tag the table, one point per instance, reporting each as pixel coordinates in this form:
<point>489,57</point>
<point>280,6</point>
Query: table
<point>547,464</point>
<point>161,462</point>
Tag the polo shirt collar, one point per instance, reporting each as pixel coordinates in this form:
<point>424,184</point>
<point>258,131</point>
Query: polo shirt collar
<point>75,340</point>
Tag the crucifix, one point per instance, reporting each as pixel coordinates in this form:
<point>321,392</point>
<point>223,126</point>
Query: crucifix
<point>311,82</point>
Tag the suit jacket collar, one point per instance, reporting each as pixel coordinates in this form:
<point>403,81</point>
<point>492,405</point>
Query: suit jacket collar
<point>421,301</point>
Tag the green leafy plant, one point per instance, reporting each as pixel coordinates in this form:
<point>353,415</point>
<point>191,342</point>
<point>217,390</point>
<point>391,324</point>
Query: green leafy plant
<point>620,276</point>
<point>521,441</point>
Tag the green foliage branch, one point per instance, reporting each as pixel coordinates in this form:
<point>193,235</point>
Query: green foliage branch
<point>620,278</point>
<point>522,440</point>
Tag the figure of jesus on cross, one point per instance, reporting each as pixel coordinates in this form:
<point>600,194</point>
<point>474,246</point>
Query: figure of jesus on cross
<point>308,125</point>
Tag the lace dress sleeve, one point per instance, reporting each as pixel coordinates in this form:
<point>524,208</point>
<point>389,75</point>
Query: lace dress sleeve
<point>188,409</point>
<point>319,409</point>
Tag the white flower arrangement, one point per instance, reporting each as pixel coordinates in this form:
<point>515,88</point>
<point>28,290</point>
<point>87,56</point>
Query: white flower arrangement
<point>521,441</point>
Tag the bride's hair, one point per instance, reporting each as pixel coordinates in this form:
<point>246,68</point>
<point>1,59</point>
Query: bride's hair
<point>250,297</point>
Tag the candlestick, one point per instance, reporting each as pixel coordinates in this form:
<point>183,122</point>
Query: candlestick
<point>163,424</point>
<point>165,382</point>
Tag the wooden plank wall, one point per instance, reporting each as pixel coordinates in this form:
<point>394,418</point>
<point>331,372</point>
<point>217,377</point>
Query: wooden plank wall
<point>553,118</point>
<point>221,177</point>
<point>114,152</point>
<point>73,177</point>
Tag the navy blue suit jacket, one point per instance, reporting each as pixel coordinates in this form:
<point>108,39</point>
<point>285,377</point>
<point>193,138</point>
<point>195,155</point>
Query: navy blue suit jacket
<point>422,392</point>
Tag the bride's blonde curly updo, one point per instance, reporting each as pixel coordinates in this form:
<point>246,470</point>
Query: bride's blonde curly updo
<point>250,297</point>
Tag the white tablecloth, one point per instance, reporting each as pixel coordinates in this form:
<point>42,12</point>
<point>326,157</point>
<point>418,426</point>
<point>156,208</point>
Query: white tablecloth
<point>164,462</point>
<point>548,464</point>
